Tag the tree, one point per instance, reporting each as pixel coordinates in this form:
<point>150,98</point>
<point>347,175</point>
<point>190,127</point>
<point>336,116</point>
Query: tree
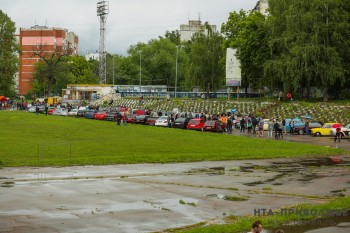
<point>55,76</point>
<point>70,70</point>
<point>158,61</point>
<point>83,71</point>
<point>52,60</point>
<point>9,50</point>
<point>309,44</point>
<point>204,54</point>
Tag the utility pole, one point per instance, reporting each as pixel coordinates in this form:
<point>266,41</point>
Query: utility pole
<point>140,51</point>
<point>102,12</point>
<point>113,70</point>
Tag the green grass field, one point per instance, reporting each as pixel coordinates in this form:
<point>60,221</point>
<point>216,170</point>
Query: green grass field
<point>30,140</point>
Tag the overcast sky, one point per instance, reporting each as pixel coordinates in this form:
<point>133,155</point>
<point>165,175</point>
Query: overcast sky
<point>128,22</point>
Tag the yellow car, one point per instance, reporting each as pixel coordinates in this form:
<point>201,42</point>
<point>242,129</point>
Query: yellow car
<point>324,131</point>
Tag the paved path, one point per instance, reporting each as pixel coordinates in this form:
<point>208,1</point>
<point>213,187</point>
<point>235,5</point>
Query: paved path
<point>152,197</point>
<point>322,141</point>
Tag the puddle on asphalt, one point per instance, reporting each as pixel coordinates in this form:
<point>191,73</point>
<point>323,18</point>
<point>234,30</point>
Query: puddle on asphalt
<point>227,197</point>
<point>207,171</point>
<point>284,169</point>
<point>335,224</point>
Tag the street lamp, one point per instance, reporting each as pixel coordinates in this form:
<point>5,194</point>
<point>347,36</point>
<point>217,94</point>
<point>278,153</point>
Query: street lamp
<point>140,51</point>
<point>177,57</point>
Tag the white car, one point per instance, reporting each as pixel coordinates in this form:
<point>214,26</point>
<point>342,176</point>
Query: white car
<point>57,112</point>
<point>344,131</point>
<point>64,112</point>
<point>162,121</point>
<point>73,112</point>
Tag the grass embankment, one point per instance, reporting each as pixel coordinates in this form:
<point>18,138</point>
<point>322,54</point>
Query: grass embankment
<point>277,220</point>
<point>29,140</point>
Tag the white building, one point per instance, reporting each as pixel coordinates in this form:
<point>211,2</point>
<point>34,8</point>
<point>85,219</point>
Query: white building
<point>193,26</point>
<point>93,55</point>
<point>262,6</point>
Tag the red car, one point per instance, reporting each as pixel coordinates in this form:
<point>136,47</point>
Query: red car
<point>151,120</point>
<point>51,110</point>
<point>214,126</point>
<point>131,118</point>
<point>196,124</point>
<point>100,115</point>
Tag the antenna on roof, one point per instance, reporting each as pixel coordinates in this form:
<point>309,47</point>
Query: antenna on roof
<point>45,22</point>
<point>199,16</point>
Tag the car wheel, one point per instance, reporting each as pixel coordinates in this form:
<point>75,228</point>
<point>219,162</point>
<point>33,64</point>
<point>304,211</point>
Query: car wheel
<point>318,134</point>
<point>301,132</point>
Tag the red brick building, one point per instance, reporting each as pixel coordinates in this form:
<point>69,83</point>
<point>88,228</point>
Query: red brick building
<point>43,40</point>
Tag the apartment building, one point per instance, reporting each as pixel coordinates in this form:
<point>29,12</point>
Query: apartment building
<point>43,40</point>
<point>193,26</point>
<point>262,6</point>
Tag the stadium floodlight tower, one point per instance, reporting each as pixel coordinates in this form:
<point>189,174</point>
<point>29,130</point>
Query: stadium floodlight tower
<point>102,12</point>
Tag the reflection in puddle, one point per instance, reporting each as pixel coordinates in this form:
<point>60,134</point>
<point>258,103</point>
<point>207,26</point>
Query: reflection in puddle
<point>8,184</point>
<point>335,224</point>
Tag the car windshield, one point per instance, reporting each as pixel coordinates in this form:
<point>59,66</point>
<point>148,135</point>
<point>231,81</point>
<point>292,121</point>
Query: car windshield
<point>180,119</point>
<point>315,125</point>
<point>194,122</point>
<point>210,123</point>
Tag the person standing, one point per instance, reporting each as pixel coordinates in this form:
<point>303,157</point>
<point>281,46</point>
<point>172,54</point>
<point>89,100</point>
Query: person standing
<point>284,126</point>
<point>307,124</point>
<point>37,108</point>
<point>46,109</point>
<point>229,125</point>
<point>291,125</point>
<point>337,134</point>
<point>125,118</point>
<point>242,125</point>
<point>261,127</point>
<point>276,127</point>
<point>270,128</point>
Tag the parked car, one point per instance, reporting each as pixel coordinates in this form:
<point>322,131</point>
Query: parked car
<point>81,113</point>
<point>130,118</point>
<point>214,126</point>
<point>57,112</point>
<point>325,130</point>
<point>33,109</point>
<point>297,122</point>
<point>301,129</point>
<point>73,112</point>
<point>196,124</point>
<point>345,131</point>
<point>100,115</point>
<point>111,116</point>
<point>151,121</point>
<point>64,112</point>
<point>51,110</point>
<point>181,122</point>
<point>141,119</point>
<point>89,114</point>
<point>162,121</point>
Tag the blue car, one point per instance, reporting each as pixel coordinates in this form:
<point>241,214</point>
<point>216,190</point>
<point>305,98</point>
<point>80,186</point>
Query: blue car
<point>297,122</point>
<point>89,114</point>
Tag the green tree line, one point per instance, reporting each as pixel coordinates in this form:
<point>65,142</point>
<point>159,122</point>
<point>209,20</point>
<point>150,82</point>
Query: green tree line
<point>300,46</point>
